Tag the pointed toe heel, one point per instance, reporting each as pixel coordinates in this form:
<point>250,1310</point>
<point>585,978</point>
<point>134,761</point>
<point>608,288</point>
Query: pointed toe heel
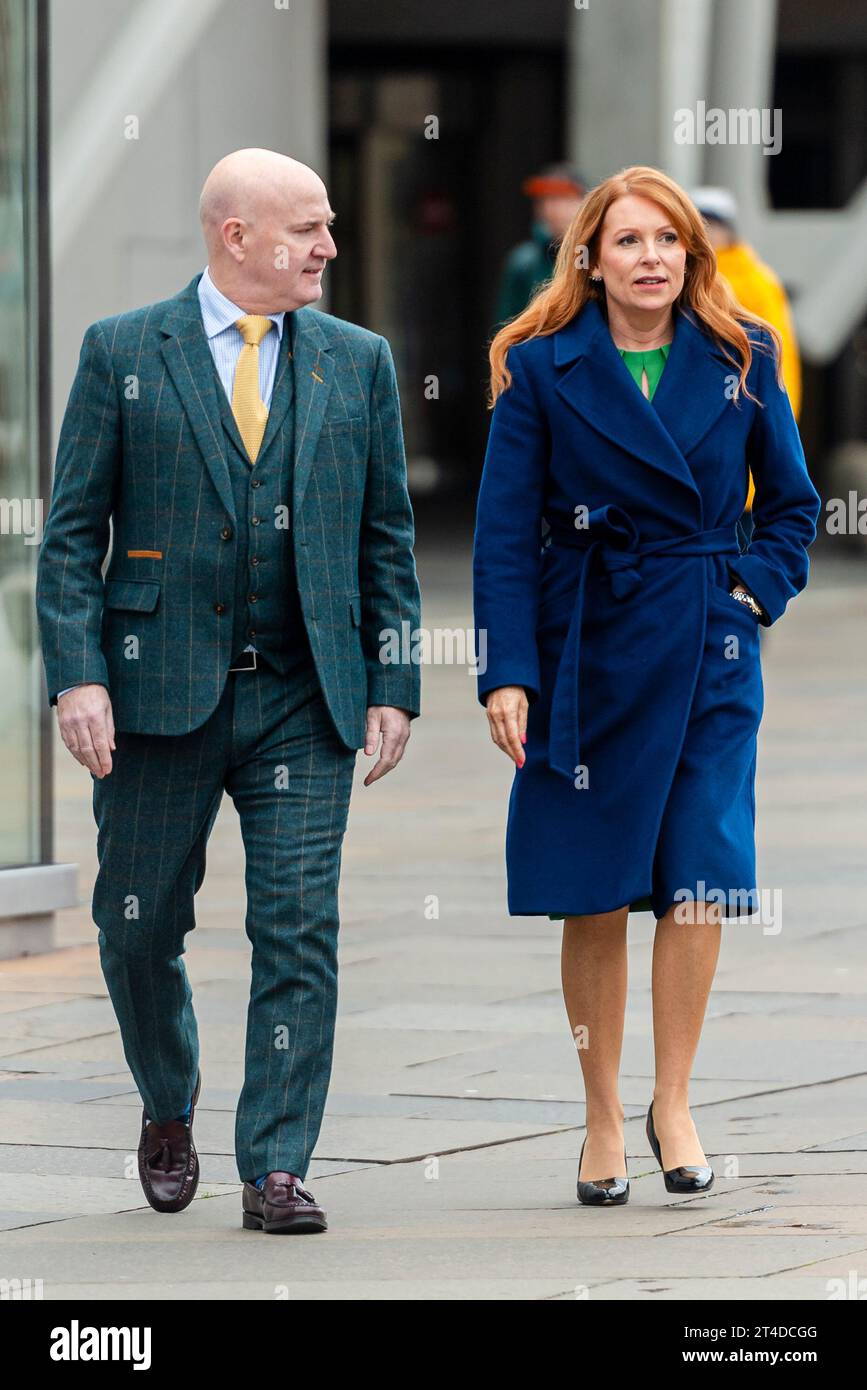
<point>688,1178</point>
<point>603,1192</point>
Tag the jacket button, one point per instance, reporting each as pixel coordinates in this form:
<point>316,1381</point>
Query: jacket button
<point>252,598</point>
<point>255,483</point>
<point>254,521</point>
<point>219,608</point>
<point>226,533</point>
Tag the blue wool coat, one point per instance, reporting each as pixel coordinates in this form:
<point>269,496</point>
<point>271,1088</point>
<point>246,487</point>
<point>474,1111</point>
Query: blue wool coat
<point>642,672</point>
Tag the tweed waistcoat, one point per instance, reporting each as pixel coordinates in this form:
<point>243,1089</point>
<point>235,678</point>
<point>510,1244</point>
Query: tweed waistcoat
<point>266,604</point>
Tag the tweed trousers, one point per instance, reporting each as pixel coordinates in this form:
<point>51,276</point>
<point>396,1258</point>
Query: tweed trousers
<point>271,744</point>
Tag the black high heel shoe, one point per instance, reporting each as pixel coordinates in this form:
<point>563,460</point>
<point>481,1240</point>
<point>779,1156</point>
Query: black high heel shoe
<point>603,1192</point>
<point>688,1177</point>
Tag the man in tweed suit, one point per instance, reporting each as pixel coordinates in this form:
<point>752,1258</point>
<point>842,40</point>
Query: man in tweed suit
<point>247,451</point>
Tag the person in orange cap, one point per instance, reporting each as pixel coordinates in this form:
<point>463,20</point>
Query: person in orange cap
<point>557,192</point>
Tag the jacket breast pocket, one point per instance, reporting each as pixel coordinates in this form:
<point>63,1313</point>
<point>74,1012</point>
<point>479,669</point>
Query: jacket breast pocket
<point>344,436</point>
<point>135,595</point>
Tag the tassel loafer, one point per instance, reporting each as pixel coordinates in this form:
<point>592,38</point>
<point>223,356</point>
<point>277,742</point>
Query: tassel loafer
<point>602,1192</point>
<point>168,1165</point>
<point>685,1179</point>
<point>281,1205</point>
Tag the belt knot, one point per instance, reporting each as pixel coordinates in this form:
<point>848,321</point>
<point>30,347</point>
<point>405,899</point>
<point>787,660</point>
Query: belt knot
<point>611,535</point>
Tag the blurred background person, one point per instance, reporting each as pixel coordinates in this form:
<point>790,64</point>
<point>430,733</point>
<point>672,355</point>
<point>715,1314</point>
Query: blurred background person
<point>757,288</point>
<point>557,191</point>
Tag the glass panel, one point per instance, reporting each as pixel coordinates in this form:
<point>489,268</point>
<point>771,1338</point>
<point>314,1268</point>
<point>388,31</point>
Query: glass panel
<point>20,510</point>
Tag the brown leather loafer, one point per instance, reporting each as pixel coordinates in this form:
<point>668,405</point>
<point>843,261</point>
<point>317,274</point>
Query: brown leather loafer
<point>168,1164</point>
<point>281,1206</point>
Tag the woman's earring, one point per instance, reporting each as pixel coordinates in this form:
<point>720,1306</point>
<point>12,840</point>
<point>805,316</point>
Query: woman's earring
<point>596,279</point>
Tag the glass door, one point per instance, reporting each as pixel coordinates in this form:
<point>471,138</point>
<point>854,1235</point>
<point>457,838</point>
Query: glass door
<point>22,482</point>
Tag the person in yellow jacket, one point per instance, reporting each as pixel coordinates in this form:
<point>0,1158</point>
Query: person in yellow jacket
<point>754,284</point>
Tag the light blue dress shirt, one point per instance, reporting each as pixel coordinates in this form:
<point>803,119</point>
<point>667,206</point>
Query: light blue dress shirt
<point>219,317</point>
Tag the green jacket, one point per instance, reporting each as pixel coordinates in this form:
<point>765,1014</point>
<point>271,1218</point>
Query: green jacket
<point>142,448</point>
<point>527,265</point>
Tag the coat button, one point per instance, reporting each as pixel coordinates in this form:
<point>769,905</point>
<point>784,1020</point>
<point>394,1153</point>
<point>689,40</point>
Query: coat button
<point>219,608</point>
<point>226,533</point>
<point>254,521</point>
<point>252,598</point>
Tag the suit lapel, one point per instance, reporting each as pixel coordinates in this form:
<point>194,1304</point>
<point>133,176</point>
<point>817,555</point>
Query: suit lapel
<point>596,383</point>
<point>314,378</point>
<point>190,364</point>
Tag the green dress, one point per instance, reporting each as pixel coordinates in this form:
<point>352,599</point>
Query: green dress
<point>653,363</point>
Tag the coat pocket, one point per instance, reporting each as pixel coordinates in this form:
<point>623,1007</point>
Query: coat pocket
<point>138,595</point>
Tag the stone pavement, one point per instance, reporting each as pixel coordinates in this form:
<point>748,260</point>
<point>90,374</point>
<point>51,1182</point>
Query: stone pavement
<point>447,1160</point>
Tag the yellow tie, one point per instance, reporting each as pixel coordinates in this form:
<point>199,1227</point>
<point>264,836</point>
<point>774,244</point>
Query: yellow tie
<point>248,408</point>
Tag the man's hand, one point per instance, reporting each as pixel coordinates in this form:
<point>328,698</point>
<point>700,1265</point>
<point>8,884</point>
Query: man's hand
<point>393,724</point>
<point>87,726</point>
<point>507,720</point>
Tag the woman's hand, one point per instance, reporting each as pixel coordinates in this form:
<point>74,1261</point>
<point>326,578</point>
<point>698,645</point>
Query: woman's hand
<point>507,719</point>
<point>740,588</point>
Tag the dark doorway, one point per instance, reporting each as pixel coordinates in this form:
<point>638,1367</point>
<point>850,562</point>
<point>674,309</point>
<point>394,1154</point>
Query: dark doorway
<point>428,150</point>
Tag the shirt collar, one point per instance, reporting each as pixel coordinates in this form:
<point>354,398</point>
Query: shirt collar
<point>219,313</point>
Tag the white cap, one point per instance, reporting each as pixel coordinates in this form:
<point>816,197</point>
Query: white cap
<point>716,202</point>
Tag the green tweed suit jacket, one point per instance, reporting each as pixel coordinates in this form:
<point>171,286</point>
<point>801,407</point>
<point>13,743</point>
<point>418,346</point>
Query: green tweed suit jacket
<point>142,447</point>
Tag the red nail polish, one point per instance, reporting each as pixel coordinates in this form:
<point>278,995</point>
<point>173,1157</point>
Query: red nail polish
<point>523,738</point>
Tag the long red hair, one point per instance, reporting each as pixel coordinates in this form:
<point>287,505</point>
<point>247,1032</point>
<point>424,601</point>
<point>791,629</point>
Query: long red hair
<point>704,290</point>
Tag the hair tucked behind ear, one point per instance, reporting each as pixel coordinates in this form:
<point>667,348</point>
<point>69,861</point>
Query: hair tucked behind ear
<point>704,290</point>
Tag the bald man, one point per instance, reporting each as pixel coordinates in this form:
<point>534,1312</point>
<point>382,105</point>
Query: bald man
<point>246,450</point>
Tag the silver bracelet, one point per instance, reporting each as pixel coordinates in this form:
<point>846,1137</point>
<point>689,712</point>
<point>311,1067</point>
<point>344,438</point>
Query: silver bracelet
<point>743,597</point>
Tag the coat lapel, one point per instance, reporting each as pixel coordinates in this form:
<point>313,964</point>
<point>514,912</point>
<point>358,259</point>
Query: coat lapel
<point>692,392</point>
<point>190,364</point>
<point>596,383</point>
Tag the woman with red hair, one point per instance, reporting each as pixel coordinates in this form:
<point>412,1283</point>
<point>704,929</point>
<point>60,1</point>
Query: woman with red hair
<point>622,675</point>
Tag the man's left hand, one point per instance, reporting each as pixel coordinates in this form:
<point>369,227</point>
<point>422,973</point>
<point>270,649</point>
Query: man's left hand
<point>393,725</point>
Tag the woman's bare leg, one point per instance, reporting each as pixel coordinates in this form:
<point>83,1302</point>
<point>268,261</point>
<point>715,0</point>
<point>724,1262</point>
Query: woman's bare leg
<point>594,973</point>
<point>685,956</point>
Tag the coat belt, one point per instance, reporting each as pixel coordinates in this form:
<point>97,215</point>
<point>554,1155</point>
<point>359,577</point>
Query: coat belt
<point>610,536</point>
